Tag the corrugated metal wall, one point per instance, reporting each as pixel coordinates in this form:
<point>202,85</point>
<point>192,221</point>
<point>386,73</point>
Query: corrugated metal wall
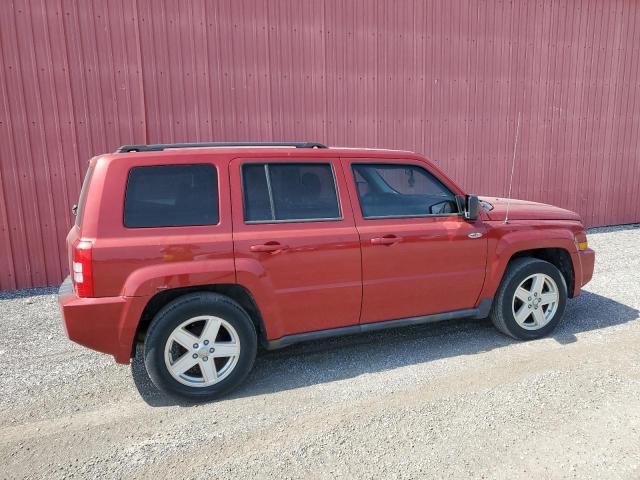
<point>443,78</point>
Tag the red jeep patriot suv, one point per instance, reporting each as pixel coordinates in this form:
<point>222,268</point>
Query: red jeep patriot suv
<point>200,251</point>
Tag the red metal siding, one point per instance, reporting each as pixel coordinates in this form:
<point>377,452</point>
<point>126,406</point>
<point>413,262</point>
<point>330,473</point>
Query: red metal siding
<point>442,78</point>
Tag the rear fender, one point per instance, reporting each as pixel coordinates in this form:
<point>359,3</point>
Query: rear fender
<point>148,281</point>
<point>145,282</point>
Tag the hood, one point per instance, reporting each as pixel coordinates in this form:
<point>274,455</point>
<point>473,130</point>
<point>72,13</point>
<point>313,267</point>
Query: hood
<point>525,210</point>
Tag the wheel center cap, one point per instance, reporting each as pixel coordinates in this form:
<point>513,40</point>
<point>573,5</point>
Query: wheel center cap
<point>203,352</point>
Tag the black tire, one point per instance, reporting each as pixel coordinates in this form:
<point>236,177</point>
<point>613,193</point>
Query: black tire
<point>176,312</point>
<point>502,313</point>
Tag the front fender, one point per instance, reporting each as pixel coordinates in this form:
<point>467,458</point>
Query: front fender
<point>505,242</point>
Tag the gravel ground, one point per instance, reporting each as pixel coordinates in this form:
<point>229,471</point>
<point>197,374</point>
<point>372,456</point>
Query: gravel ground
<point>453,399</point>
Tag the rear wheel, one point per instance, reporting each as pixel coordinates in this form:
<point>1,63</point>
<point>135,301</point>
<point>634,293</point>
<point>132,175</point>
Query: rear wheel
<point>200,346</point>
<point>531,299</point>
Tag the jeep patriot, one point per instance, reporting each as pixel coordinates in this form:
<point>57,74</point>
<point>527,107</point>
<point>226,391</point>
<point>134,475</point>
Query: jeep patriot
<point>201,251</point>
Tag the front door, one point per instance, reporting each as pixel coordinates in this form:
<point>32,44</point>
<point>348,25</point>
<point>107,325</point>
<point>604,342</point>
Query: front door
<point>419,255</point>
<point>296,246</point>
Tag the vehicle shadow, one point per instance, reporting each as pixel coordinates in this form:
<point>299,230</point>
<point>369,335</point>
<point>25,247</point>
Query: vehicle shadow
<point>27,293</point>
<point>346,357</point>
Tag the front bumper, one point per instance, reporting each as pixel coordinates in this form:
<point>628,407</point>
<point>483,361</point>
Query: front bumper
<point>587,262</point>
<point>97,323</point>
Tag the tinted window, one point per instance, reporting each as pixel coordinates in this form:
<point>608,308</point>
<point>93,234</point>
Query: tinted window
<point>171,196</point>
<point>401,191</point>
<point>257,204</point>
<point>289,192</point>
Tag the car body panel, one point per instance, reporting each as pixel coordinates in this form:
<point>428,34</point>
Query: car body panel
<point>104,324</point>
<point>526,210</point>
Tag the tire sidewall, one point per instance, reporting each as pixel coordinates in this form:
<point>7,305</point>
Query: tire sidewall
<point>175,314</point>
<point>539,266</point>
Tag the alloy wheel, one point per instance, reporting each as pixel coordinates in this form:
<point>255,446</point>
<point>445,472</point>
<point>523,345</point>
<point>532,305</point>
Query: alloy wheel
<point>202,351</point>
<point>535,301</point>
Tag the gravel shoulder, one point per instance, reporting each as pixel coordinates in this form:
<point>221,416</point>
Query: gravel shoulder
<point>454,399</point>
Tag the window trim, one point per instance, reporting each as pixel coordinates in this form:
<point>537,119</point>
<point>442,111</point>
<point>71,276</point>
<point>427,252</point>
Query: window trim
<point>271,199</point>
<point>394,164</point>
<point>217,184</point>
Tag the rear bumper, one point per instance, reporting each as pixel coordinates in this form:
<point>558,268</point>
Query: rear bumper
<point>96,323</point>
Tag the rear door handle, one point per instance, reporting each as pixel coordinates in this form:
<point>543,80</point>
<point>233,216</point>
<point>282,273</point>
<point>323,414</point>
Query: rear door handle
<point>269,247</point>
<point>386,240</point>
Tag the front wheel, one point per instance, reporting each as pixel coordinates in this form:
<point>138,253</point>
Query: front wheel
<point>531,299</point>
<point>200,346</point>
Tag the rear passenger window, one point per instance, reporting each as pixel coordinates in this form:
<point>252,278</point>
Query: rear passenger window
<point>171,196</point>
<point>289,192</point>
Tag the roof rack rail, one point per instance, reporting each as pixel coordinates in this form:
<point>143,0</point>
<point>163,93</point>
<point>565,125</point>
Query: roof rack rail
<point>162,146</point>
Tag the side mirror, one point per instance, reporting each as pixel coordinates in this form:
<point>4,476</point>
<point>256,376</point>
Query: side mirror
<point>471,207</point>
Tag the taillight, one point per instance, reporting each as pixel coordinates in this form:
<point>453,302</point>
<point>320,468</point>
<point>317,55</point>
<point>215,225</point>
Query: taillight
<point>83,269</point>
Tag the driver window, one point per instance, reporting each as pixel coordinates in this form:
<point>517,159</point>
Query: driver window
<point>394,190</point>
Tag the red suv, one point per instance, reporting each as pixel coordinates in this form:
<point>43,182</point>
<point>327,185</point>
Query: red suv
<point>200,251</point>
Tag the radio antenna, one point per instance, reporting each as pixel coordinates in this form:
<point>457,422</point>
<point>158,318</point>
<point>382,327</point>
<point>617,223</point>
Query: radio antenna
<point>513,164</point>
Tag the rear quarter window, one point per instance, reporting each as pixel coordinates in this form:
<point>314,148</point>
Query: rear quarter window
<point>171,196</point>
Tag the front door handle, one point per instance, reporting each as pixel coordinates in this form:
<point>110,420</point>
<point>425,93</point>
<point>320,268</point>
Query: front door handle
<point>386,240</point>
<point>269,247</point>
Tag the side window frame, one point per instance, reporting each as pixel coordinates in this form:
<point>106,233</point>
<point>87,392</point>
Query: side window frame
<point>429,174</point>
<point>273,220</point>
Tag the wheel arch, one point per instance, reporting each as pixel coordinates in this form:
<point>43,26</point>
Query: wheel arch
<point>236,292</point>
<point>557,256</point>
<point>554,246</point>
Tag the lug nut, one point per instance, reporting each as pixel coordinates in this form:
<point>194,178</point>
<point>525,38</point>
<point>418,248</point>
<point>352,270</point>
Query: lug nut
<point>195,355</point>
<point>529,298</point>
<point>211,350</point>
<point>535,294</point>
<point>205,358</point>
<point>195,345</point>
<point>206,342</point>
<point>529,305</point>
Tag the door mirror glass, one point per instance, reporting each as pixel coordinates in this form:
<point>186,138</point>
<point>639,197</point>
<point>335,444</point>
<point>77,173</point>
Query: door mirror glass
<point>471,207</point>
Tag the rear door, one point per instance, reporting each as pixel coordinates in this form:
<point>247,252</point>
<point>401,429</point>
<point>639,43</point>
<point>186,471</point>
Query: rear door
<point>419,255</point>
<point>296,246</point>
